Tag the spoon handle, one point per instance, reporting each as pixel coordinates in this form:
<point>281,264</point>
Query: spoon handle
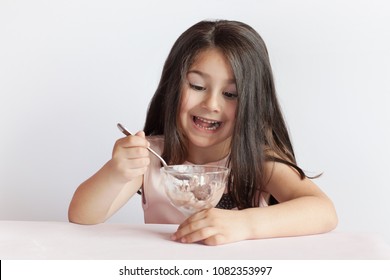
<point>127,133</point>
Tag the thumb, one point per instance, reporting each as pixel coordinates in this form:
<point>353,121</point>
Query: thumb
<point>140,133</point>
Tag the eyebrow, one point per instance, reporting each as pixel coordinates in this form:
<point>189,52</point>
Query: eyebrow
<point>205,75</point>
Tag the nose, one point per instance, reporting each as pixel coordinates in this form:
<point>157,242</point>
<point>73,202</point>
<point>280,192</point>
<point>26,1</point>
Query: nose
<point>212,102</point>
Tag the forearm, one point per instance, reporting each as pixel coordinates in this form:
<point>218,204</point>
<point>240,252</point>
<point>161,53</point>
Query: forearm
<point>96,199</point>
<point>300,216</point>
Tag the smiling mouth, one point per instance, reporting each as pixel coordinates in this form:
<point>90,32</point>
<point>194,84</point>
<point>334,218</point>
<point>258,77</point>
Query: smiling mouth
<point>205,123</point>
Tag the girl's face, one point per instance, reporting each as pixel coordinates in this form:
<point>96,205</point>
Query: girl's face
<point>209,102</point>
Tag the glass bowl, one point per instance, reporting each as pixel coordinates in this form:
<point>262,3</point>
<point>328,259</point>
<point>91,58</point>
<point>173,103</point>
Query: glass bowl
<point>191,188</point>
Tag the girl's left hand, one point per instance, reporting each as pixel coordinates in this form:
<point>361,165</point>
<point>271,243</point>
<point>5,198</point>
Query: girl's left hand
<point>213,227</point>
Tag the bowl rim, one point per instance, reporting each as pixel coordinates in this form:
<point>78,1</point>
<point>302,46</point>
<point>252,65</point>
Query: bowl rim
<point>218,169</point>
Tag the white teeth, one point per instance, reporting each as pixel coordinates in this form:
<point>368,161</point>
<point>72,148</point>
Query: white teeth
<point>207,121</point>
<point>215,124</point>
<point>207,128</point>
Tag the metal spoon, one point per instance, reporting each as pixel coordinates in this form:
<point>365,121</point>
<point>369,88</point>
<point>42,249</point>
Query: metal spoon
<point>127,133</point>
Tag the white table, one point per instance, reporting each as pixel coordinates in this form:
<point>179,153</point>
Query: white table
<point>65,241</point>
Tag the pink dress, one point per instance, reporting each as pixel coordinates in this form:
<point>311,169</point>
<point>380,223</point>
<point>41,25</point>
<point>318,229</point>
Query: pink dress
<point>155,203</point>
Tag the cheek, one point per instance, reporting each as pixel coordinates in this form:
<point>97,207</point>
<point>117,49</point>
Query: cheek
<point>188,102</point>
<point>231,111</point>
<point>231,114</point>
<point>184,106</point>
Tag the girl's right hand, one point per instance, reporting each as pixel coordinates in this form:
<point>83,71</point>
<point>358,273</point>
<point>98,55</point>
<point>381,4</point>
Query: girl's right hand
<point>130,157</point>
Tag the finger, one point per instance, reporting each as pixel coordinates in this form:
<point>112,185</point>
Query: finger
<point>216,239</point>
<point>140,134</point>
<point>134,163</point>
<point>196,236</point>
<point>124,154</point>
<point>135,172</point>
<point>194,218</point>
<point>134,153</point>
<point>190,225</point>
<point>126,170</point>
<point>137,140</point>
<point>131,148</point>
<point>122,163</point>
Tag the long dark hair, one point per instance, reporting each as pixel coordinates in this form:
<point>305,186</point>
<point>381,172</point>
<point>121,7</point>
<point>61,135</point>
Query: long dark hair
<point>260,132</point>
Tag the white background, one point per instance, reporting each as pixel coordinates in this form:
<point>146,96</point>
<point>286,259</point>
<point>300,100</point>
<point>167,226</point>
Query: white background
<point>70,70</point>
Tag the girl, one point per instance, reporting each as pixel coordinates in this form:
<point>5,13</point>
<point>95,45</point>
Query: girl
<point>215,104</point>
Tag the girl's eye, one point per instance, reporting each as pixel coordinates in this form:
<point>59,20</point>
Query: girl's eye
<point>230,95</point>
<point>197,88</point>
